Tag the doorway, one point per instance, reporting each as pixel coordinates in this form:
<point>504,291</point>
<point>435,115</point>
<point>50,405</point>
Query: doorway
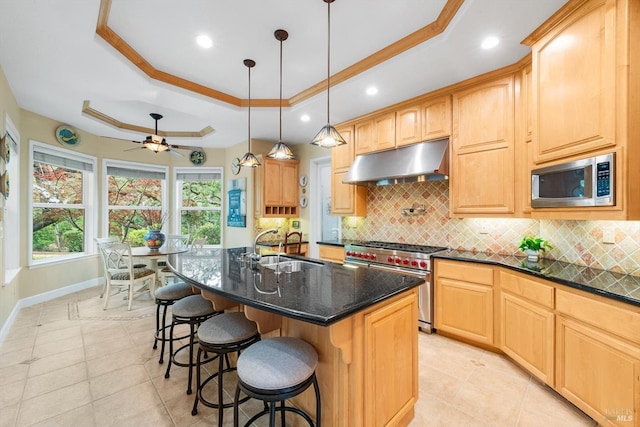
<point>323,225</point>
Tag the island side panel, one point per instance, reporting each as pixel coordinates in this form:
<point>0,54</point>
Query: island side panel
<point>384,341</point>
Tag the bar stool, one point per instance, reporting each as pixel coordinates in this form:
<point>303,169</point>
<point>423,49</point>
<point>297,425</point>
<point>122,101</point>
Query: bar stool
<point>274,370</point>
<point>191,310</point>
<point>221,335</point>
<point>166,296</point>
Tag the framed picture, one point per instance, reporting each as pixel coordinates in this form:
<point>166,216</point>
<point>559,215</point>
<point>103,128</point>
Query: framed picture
<point>237,203</point>
<point>295,224</point>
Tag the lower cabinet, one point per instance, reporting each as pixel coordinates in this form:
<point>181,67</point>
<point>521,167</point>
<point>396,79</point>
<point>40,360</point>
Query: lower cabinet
<point>331,253</point>
<point>464,300</point>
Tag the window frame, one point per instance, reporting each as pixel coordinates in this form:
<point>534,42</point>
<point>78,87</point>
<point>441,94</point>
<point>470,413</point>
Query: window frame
<point>11,207</point>
<point>133,166</point>
<point>177,191</point>
<point>89,191</point>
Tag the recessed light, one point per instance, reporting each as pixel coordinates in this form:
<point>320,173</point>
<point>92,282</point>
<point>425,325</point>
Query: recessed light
<point>305,118</point>
<point>490,42</point>
<point>204,41</point>
<point>372,90</point>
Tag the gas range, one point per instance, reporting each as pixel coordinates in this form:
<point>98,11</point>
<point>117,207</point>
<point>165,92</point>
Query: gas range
<point>391,254</point>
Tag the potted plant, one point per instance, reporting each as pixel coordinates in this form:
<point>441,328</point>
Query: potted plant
<point>532,246</point>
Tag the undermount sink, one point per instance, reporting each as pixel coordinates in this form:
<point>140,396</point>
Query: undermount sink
<point>287,264</point>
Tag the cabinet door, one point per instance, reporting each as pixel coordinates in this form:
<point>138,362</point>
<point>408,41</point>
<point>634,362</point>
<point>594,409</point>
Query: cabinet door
<point>436,118</point>
<point>347,199</point>
<point>342,156</point>
<point>272,182</point>
<point>574,83</point>
<point>391,362</point>
<point>289,184</point>
<point>385,131</point>
<point>483,162</point>
<point>331,253</point>
<point>408,126</point>
<point>598,373</point>
<point>527,335</point>
<point>365,141</point>
<point>464,309</point>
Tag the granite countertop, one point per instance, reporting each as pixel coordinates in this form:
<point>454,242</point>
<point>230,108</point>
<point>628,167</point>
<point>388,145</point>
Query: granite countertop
<point>322,295</point>
<point>276,242</point>
<point>337,242</point>
<point>619,286</point>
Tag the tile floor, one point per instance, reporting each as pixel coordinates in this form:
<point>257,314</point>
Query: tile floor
<point>95,372</point>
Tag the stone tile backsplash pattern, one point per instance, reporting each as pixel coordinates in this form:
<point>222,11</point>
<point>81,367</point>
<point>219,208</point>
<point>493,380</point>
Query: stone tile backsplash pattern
<point>577,242</point>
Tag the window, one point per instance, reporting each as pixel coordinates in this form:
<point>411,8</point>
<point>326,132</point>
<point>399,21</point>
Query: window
<point>61,209</point>
<point>136,195</point>
<point>199,203</point>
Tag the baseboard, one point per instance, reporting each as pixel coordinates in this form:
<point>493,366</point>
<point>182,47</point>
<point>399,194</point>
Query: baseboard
<point>44,297</point>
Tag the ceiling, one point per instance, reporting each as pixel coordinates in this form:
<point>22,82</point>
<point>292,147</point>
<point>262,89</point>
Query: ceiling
<point>55,60</point>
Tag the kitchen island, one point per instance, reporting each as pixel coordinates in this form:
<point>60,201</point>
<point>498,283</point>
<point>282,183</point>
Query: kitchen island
<point>362,322</point>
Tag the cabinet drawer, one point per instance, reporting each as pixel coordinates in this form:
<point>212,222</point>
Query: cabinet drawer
<point>622,322</point>
<point>532,290</point>
<point>331,253</point>
<point>465,271</point>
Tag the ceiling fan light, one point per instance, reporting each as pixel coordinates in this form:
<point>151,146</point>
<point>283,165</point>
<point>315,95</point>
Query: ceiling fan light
<point>280,151</point>
<point>156,147</point>
<point>328,137</point>
<point>249,161</point>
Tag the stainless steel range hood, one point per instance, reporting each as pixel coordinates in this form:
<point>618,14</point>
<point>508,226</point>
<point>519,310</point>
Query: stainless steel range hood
<point>426,161</point>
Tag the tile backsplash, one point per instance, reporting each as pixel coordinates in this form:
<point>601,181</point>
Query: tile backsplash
<point>578,242</point>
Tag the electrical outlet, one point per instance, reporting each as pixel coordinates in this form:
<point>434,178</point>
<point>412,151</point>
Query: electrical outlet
<point>484,229</point>
<point>608,235</point>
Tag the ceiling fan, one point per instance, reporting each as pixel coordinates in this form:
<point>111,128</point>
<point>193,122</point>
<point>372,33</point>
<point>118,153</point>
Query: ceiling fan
<point>157,143</point>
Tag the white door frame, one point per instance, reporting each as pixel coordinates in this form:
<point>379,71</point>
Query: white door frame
<point>315,224</point>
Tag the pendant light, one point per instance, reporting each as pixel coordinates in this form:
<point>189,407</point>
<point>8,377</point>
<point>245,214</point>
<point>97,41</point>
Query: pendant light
<point>328,137</point>
<point>249,160</point>
<point>280,151</point>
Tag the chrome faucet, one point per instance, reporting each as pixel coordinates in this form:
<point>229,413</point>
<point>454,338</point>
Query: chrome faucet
<point>278,259</point>
<point>255,256</point>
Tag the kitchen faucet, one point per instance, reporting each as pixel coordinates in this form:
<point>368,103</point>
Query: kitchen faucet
<point>255,256</point>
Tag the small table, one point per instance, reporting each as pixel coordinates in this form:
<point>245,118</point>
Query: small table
<point>153,255</point>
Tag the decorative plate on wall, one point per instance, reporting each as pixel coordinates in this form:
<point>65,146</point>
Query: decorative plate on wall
<point>198,157</point>
<point>4,184</point>
<point>67,135</point>
<point>5,149</point>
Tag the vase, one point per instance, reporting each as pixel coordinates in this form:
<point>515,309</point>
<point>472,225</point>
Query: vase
<point>532,256</point>
<point>154,239</point>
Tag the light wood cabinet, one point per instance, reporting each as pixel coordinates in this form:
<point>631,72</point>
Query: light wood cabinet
<point>391,362</point>
<point>331,253</point>
<point>464,300</point>
<point>527,324</point>
<point>483,146</point>
<point>346,199</point>
<point>375,134</point>
<point>424,122</point>
<point>276,184</point>
<point>574,83</point>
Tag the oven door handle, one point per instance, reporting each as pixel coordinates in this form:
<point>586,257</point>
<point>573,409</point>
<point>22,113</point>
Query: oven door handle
<point>416,273</point>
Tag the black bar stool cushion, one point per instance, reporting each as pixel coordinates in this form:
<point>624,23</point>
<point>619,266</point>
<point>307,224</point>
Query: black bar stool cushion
<point>226,328</point>
<point>277,363</point>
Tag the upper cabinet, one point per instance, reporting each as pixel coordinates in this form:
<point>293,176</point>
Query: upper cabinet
<point>426,121</point>
<point>346,199</point>
<point>574,81</point>
<point>276,183</point>
<point>585,86</point>
<point>375,134</point>
<point>482,177</point>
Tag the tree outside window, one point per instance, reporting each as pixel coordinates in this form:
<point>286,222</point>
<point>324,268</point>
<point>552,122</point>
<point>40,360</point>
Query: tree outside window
<point>199,196</point>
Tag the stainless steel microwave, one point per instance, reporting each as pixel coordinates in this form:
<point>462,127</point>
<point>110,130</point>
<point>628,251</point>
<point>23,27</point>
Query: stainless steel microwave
<point>585,182</point>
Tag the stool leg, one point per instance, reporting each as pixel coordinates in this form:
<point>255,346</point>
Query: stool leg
<point>272,414</point>
<point>164,339</point>
<point>282,416</point>
<point>191,338</point>
<point>318,409</point>
<point>220,385</point>
<point>235,406</point>
<point>194,411</point>
<point>173,322</point>
<point>155,341</point>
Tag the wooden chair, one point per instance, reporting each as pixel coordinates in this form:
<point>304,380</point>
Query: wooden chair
<point>119,272</point>
<point>293,247</point>
<point>174,241</point>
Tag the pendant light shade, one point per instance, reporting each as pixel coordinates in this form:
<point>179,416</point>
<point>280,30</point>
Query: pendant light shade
<point>328,137</point>
<point>280,150</point>
<point>249,160</point>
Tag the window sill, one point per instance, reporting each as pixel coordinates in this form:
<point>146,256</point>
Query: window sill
<point>48,263</point>
<point>10,275</point>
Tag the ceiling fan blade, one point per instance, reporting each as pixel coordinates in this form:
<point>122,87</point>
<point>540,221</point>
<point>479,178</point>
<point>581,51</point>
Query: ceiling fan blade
<point>174,153</point>
<point>184,147</point>
<point>135,148</point>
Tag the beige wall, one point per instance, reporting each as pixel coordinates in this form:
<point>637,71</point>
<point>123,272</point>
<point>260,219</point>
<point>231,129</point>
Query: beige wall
<point>8,107</point>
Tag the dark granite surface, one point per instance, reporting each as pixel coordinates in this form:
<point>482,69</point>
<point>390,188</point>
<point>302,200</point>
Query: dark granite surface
<point>322,295</point>
<point>622,287</point>
<point>338,242</point>
<point>276,242</point>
